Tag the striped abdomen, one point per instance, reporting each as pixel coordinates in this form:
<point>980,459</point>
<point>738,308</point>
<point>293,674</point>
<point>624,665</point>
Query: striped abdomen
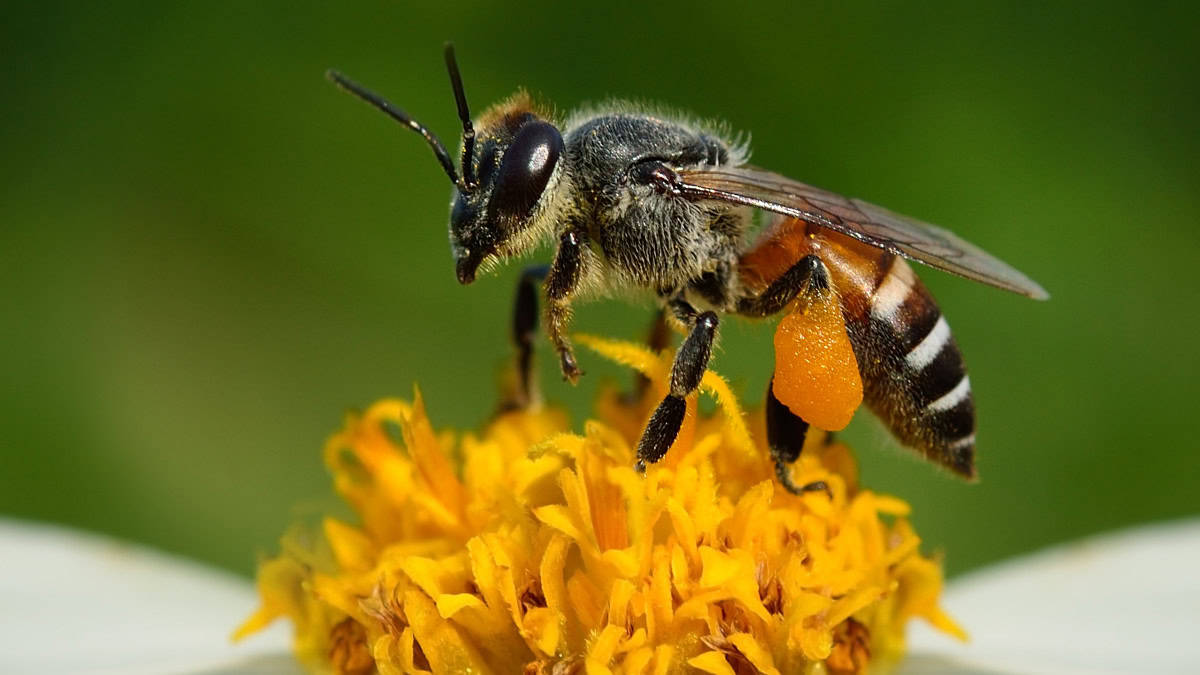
<point>913,374</point>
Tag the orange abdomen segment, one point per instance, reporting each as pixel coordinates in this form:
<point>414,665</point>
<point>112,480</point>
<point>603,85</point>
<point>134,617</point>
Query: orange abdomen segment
<point>816,373</point>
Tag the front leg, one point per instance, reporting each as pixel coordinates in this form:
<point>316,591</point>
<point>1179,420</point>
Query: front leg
<point>691,360</point>
<point>561,284</point>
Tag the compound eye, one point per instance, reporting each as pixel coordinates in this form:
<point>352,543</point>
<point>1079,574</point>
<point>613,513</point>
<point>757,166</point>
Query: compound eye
<point>525,170</point>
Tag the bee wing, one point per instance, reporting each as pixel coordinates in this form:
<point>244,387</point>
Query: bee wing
<point>861,220</point>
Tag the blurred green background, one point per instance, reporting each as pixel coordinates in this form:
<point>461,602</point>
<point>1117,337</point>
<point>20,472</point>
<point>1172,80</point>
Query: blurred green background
<point>208,253</point>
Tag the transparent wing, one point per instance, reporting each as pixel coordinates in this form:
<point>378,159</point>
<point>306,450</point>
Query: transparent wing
<point>861,220</point>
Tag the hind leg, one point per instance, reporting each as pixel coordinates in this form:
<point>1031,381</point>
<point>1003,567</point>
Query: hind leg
<point>808,277</point>
<point>785,436</point>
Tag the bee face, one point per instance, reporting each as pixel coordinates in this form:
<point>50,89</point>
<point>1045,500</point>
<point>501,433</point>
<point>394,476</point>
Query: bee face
<point>506,177</point>
<point>514,170</point>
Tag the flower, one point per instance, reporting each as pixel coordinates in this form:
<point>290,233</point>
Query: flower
<point>528,548</point>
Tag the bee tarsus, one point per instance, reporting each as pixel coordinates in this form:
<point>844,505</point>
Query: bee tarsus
<point>561,283</point>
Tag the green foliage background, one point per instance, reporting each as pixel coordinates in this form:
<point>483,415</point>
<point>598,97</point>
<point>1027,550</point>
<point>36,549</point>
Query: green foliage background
<point>207,253</point>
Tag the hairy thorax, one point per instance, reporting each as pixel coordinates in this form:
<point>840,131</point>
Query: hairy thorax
<point>647,238</point>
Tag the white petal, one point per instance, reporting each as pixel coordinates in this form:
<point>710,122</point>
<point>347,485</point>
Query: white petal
<point>72,602</point>
<point>1120,603</point>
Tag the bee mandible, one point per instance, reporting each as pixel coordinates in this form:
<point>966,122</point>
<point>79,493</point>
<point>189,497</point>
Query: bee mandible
<point>639,199</point>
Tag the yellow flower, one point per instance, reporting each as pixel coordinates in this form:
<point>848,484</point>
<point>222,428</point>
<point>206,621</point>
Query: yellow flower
<point>531,549</point>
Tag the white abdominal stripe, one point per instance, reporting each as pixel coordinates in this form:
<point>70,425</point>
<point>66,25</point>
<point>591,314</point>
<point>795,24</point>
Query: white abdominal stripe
<point>930,346</point>
<point>952,398</point>
<point>897,284</point>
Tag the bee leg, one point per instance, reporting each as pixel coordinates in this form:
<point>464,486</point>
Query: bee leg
<point>561,283</point>
<point>524,326</point>
<point>691,360</point>
<point>785,436</point>
<point>809,275</point>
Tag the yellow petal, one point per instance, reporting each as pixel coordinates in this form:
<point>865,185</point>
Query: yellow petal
<point>394,656</point>
<point>624,562</point>
<point>735,420</point>
<point>637,660</point>
<point>425,573</point>
<point>486,577</point>
<point>718,567</point>
<point>560,518</point>
<point>449,604</point>
<point>658,596</point>
<point>618,602</point>
<point>586,599</point>
<point>594,667</point>
<point>260,619</point>
<point>892,506</point>
<point>816,641</point>
<point>754,652</point>
<point>542,625</point>
<point>712,662</point>
<point>352,549</point>
<point>626,353</point>
<point>945,623</point>
<point>664,655</point>
<point>434,465</point>
<point>440,641</point>
<point>408,648</point>
<point>844,607</point>
<point>603,645</point>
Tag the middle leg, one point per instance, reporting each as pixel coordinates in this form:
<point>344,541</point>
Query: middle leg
<point>691,360</point>
<point>524,328</point>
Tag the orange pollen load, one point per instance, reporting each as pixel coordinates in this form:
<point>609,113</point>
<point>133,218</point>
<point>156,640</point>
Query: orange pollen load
<point>816,374</point>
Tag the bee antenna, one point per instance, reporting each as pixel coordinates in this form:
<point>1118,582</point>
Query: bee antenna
<point>400,116</point>
<point>464,114</point>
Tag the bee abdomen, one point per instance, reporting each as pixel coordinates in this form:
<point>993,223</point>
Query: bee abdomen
<point>914,376</point>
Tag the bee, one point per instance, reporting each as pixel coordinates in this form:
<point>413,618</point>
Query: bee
<point>638,199</point>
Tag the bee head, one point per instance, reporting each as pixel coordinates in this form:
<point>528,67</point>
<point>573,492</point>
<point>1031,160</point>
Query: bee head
<point>507,186</point>
<point>508,172</point>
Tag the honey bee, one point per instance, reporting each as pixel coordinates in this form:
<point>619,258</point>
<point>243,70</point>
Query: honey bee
<point>639,199</point>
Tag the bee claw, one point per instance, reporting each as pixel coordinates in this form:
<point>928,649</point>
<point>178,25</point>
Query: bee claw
<point>817,486</point>
<point>781,472</point>
<point>570,369</point>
